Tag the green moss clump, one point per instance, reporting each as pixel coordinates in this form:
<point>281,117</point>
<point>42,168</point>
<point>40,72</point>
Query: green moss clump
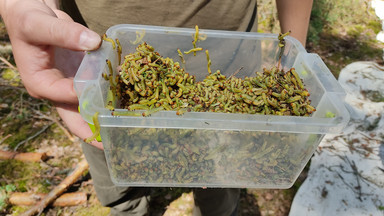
<point>23,175</point>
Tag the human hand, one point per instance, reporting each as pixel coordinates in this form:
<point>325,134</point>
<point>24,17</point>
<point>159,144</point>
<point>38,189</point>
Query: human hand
<point>47,47</point>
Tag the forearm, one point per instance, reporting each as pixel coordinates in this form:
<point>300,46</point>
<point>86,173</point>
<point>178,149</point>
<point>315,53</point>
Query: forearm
<point>294,16</point>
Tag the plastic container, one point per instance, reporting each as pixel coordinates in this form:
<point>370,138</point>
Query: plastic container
<point>211,149</point>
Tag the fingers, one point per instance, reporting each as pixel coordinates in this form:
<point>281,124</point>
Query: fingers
<point>75,123</point>
<point>35,31</point>
<point>36,23</point>
<point>41,78</point>
<point>58,32</point>
<point>50,84</point>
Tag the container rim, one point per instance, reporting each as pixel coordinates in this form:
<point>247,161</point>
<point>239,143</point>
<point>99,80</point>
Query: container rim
<point>211,32</point>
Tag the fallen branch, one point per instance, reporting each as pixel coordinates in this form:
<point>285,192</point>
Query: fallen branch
<point>58,190</point>
<point>33,136</point>
<point>29,199</point>
<point>26,157</point>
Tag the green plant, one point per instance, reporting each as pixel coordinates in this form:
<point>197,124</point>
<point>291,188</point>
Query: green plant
<point>318,20</point>
<point>333,17</point>
<point>12,76</point>
<point>4,194</point>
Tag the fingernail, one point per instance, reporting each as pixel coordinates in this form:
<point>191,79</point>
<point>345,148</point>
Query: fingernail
<point>89,40</point>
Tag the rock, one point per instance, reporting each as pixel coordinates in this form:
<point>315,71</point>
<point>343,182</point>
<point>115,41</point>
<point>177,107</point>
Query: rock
<point>346,175</point>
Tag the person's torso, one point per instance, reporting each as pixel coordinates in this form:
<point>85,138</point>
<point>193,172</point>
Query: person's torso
<point>99,15</point>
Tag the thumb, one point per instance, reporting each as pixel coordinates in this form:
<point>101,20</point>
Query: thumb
<point>63,33</point>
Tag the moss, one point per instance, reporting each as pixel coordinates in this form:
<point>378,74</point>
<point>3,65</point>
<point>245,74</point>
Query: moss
<point>55,133</point>
<point>19,131</point>
<point>335,17</point>
<point>17,210</point>
<point>375,25</point>
<point>93,210</point>
<point>17,119</point>
<point>23,175</point>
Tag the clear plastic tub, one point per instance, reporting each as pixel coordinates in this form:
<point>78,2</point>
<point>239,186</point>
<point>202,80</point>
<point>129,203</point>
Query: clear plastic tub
<point>203,149</point>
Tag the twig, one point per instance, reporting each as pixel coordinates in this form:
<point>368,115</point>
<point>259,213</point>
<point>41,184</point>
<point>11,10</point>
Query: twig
<point>65,131</point>
<point>33,136</point>
<point>5,61</point>
<point>357,175</point>
<point>58,190</point>
<point>369,137</point>
<point>29,199</point>
<point>27,157</point>
<point>282,46</point>
<point>357,189</point>
<point>236,72</point>
<point>6,137</point>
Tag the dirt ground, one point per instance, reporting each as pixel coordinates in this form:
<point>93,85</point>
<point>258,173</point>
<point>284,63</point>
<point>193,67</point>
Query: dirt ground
<point>32,125</point>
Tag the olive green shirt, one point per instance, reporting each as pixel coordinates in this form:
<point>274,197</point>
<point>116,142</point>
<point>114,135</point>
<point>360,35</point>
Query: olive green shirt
<point>99,15</point>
